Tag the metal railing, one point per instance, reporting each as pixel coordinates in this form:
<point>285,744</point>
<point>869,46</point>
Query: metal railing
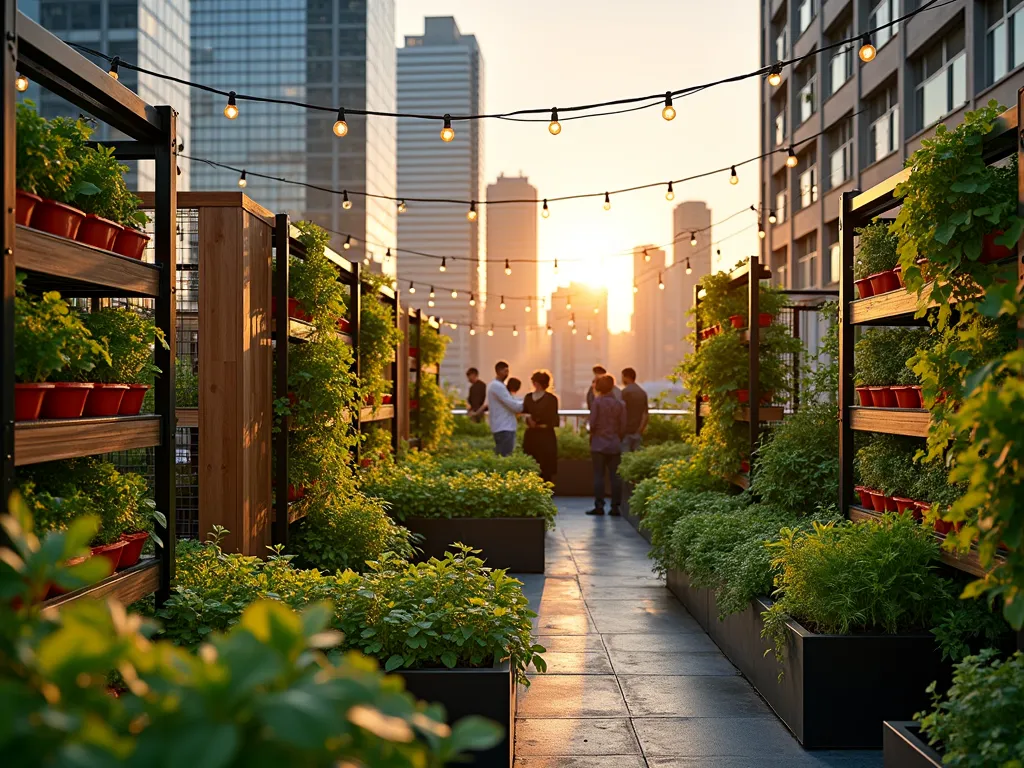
<point>579,415</point>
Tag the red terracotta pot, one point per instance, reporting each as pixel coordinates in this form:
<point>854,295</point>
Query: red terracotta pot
<point>764,319</point>
<point>898,270</point>
<point>111,552</point>
<point>414,351</point>
<point>884,282</point>
<point>990,251</point>
<point>745,467</point>
<point>877,500</point>
<point>134,542</point>
<point>738,321</point>
<point>890,503</point>
<point>345,326</point>
<point>28,400</point>
<point>131,403</point>
<point>883,397</point>
<point>57,218</point>
<point>705,398</point>
<point>25,205</point>
<point>365,463</point>
<point>98,232</point>
<point>864,288</point>
<point>865,496</point>
<point>105,399</point>
<point>922,509</point>
<point>294,494</point>
<point>714,330</point>
<point>414,405</point>
<point>907,397</point>
<point>388,399</point>
<point>944,527</point>
<point>55,590</point>
<point>743,395</point>
<point>131,243</point>
<point>904,504</point>
<point>864,393</point>
<point>66,400</point>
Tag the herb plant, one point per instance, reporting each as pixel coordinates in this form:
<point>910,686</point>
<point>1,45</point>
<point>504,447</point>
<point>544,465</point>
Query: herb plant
<point>98,187</point>
<point>572,444</point>
<point>378,338</point>
<point>877,250</point>
<point>642,464</point>
<point>799,458</point>
<point>130,338</point>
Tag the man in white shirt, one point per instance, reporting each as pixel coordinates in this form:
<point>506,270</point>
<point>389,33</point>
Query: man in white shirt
<point>503,408</point>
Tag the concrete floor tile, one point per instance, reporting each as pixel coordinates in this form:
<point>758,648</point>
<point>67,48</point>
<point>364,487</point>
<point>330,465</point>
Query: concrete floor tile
<point>652,663</point>
<point>574,737</point>
<point>663,602</point>
<point>809,759</point>
<point>692,642</point>
<point>579,624</point>
<point>646,622</point>
<point>570,643</point>
<point>590,663</point>
<point>561,607</point>
<point>625,593</point>
<point>594,761</point>
<point>571,696</point>
<point>691,696</point>
<point>705,737</point>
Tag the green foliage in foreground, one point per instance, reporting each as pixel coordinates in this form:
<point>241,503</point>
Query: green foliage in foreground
<point>264,694</point>
<point>642,464</point>
<point>978,723</point>
<point>572,444</point>
<point>666,509</point>
<point>470,461</point>
<point>464,494</point>
<point>452,612</point>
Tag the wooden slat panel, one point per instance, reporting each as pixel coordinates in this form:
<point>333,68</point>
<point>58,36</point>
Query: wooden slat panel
<point>83,266</point>
<point>765,413</point>
<point>187,417</point>
<point>888,305</point>
<point>127,586</point>
<point>51,440</point>
<point>381,414</point>
<point>891,421</point>
<point>215,200</point>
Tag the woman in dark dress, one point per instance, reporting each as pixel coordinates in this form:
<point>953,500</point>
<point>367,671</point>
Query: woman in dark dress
<point>541,410</point>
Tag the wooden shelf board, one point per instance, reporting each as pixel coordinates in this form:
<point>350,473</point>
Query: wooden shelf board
<point>381,413</point>
<point>740,479</point>
<point>912,422</point>
<point>966,562</point>
<point>295,513</point>
<point>187,417</point>
<point>895,304</point>
<point>300,331</point>
<point>125,586</point>
<point>764,413</point>
<point>78,270</point>
<point>53,439</point>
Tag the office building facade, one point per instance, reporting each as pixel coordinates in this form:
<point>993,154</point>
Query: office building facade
<point>337,53</point>
<point>691,221</point>
<point>441,71</point>
<point>649,325</point>
<point>153,34</point>
<point>584,309</point>
<point>928,71</point>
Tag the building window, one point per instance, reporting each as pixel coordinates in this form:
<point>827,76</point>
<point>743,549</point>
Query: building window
<point>780,206</point>
<point>805,10</point>
<point>779,110</point>
<point>808,187</point>
<point>832,263</point>
<point>782,43</point>
<point>840,67</point>
<point>840,159</point>
<point>883,115</point>
<point>806,251</point>
<point>883,13</point>
<point>806,97</point>
<point>1004,41</point>
<point>942,79</point>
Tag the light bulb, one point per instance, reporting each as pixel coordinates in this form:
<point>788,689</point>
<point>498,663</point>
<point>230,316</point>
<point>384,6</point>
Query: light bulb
<point>607,202</point>
<point>733,178</point>
<point>791,159</point>
<point>340,125</point>
<point>550,330</point>
<point>231,110</point>
<point>508,268</point>
<point>647,256</point>
<point>242,181</point>
<point>501,304</point>
<point>431,291</point>
<point>689,269</point>
<point>597,310</point>
<point>387,256</point>
<point>490,331</point>
<point>775,75</point>
<point>772,218</point>
<point>348,242</point>
<point>447,133</point>
<point>544,212</point>
<point>867,49</point>
<point>515,331</point>
<point>529,308</point>
<point>661,283</point>
<point>402,206</point>
<point>590,336</point>
<point>412,287</point>
<point>472,330</point>
<point>568,303</point>
<point>453,326</point>
<point>471,213</point>
<point>554,127</point>
<point>21,83</point>
<point>430,302</point>
<point>693,239</point>
<point>669,112</point>
<point>760,230</point>
<point>556,266</point>
<point>455,294</point>
<point>573,331</point>
<point>345,202</point>
<point>636,289</point>
<point>444,265</point>
<point>472,300</point>
<point>669,193</point>
<point>113,67</point>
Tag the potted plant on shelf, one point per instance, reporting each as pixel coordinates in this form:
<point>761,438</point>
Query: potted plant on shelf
<point>378,340</point>
<point>877,258</point>
<point>885,466</point>
<point>122,382</point>
<point>879,363</point>
<point>112,211</point>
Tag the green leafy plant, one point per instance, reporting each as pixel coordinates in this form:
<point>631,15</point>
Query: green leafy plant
<point>463,426</point>
<point>666,508</point>
<point>799,458</point>
<point>720,300</point>
<point>444,463</point>
<point>572,444</point>
<point>434,419</point>
<point>642,464</point>
<point>130,338</point>
<point>313,280</point>
<point>877,250</point>
<point>967,626</point>
<point>432,345</point>
<point>886,463</point>
<point>977,722</point>
<point>47,152</point>
<point>668,429</point>
<point>882,355</point>
<point>186,383</point>
<point>98,187</point>
<point>379,336</point>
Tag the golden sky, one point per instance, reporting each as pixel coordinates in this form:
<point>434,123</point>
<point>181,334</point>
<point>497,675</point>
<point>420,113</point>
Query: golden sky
<point>540,53</point>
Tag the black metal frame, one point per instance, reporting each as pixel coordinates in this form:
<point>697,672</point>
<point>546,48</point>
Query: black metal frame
<point>416,321</point>
<point>36,53</point>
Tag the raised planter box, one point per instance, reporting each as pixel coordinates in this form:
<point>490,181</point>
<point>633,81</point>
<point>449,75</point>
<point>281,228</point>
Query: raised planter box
<point>903,747</point>
<point>514,543</point>
<point>576,478</point>
<point>490,693</point>
<point>836,690</point>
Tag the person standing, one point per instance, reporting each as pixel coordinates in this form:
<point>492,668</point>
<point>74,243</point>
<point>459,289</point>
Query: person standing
<point>607,428</point>
<point>637,411</point>
<point>477,395</point>
<point>599,370</point>
<point>541,409</point>
<point>503,408</point>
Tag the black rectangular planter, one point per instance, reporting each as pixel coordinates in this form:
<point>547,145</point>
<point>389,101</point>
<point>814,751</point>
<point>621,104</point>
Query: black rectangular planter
<point>836,690</point>
<point>515,543</point>
<point>490,693</point>
<point>633,520</point>
<point>575,477</point>
<point>903,747</point>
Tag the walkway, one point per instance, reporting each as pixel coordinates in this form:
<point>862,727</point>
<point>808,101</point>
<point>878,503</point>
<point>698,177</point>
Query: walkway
<point>633,681</point>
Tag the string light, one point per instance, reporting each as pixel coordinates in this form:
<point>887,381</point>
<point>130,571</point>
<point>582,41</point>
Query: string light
<point>453,326</point>
<point>775,75</point>
<point>345,202</point>
<point>472,330</point>
<point>544,212</point>
<point>556,266</point>
<point>231,110</point>
<point>471,213</point>
<point>554,127</point>
<point>669,112</point>
<point>508,268</point>
<point>597,310</point>
<point>734,179</point>
<point>590,336</point>
<point>387,256</point>
<point>455,294</point>
<point>791,159</point>
<point>444,265</point>
<point>113,67</point>
<point>772,218</point>
<point>573,331</point>
<point>501,304</point>
<point>242,180</point>
<point>636,288</point>
<point>689,269</point>
<point>572,320</point>
<point>340,125</point>
<point>550,330</point>
<point>693,239</point>
<point>447,133</point>
<point>366,259</point>
<point>402,208</point>
<point>21,83</point>
<point>607,202</point>
<point>760,230</point>
<point>472,300</point>
<point>670,195</point>
<point>490,331</point>
<point>412,287</point>
<point>661,283</point>
<point>348,242</point>
<point>568,303</point>
<point>647,256</point>
<point>529,308</point>
<point>867,49</point>
<point>515,331</point>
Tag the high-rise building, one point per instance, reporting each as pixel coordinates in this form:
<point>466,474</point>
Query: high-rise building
<point>153,34</point>
<point>649,329</point>
<point>871,116</point>
<point>441,71</point>
<point>512,249</point>
<point>323,52</point>
<point>574,355</point>
<point>691,221</point>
